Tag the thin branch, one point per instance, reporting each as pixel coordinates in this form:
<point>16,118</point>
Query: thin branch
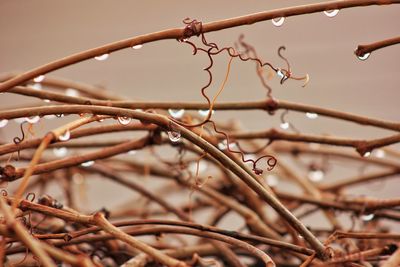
<point>362,50</point>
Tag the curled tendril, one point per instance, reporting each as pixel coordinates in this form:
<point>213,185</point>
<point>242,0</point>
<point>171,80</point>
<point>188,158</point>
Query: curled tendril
<point>287,73</point>
<point>283,120</point>
<point>271,162</point>
<point>17,139</point>
<point>30,195</point>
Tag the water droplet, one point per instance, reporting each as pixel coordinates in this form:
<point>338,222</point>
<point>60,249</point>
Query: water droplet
<point>204,112</point>
<point>87,163</point>
<point>280,73</point>
<point>102,57</point>
<point>367,154</point>
<point>37,86</point>
<point>367,217</point>
<point>46,100</point>
<point>124,120</point>
<point>272,180</point>
<point>316,175</point>
<point>60,151</point>
<point>3,123</point>
<point>174,136</point>
<point>137,46</point>
<point>331,13</point>
<point>379,153</point>
<point>223,145</point>
<point>71,92</point>
<point>176,113</point>
<point>364,56</point>
<point>278,21</point>
<point>19,120</point>
<point>284,125</point>
<point>65,136</point>
<point>33,119</point>
<point>38,79</point>
<point>311,115</point>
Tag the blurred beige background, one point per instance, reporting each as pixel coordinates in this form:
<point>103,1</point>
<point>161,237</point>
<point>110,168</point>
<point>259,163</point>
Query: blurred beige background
<point>36,32</point>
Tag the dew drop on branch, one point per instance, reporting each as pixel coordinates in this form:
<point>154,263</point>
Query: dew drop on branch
<point>19,120</point>
<point>33,119</point>
<point>37,86</point>
<point>60,151</point>
<point>87,163</point>
<point>102,57</point>
<point>284,125</point>
<point>174,136</point>
<point>71,92</point>
<point>3,123</point>
<point>278,21</point>
<point>124,120</point>
<point>38,79</point>
<point>367,154</point>
<point>65,136</point>
<point>311,115</point>
<point>316,175</point>
<point>204,112</point>
<point>176,113</point>
<point>331,13</point>
<point>364,56</point>
<point>367,217</point>
<point>136,47</point>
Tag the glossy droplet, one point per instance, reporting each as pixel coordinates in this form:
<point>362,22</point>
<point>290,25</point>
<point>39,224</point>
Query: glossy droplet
<point>38,79</point>
<point>223,145</point>
<point>132,152</point>
<point>367,217</point>
<point>87,163</point>
<point>102,57</point>
<point>176,113</point>
<point>37,86</point>
<point>311,115</point>
<point>137,46</point>
<point>284,125</point>
<point>3,123</point>
<point>60,151</point>
<point>272,180</point>
<point>280,73</point>
<point>278,21</point>
<point>71,92</point>
<point>46,100</point>
<point>65,136</point>
<point>316,175</point>
<point>124,120</point>
<point>331,13</point>
<point>174,136</point>
<point>33,119</point>
<point>379,153</point>
<point>204,112</point>
<point>367,154</point>
<point>364,56</point>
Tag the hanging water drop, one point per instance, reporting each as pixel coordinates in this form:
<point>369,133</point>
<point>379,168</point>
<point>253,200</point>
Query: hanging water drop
<point>367,217</point>
<point>124,120</point>
<point>3,123</point>
<point>65,136</point>
<point>367,154</point>
<point>316,175</point>
<point>102,57</point>
<point>132,152</point>
<point>19,120</point>
<point>176,113</point>
<point>278,21</point>
<point>331,13</point>
<point>38,79</point>
<point>71,92</point>
<point>204,112</point>
<point>87,163</point>
<point>33,119</point>
<point>174,136</point>
<point>60,151</point>
<point>46,100</point>
<point>280,73</point>
<point>284,125</point>
<point>311,115</point>
<point>136,47</point>
<point>364,56</point>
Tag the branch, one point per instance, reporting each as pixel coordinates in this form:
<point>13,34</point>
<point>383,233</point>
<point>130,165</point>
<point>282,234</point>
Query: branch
<point>363,50</point>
